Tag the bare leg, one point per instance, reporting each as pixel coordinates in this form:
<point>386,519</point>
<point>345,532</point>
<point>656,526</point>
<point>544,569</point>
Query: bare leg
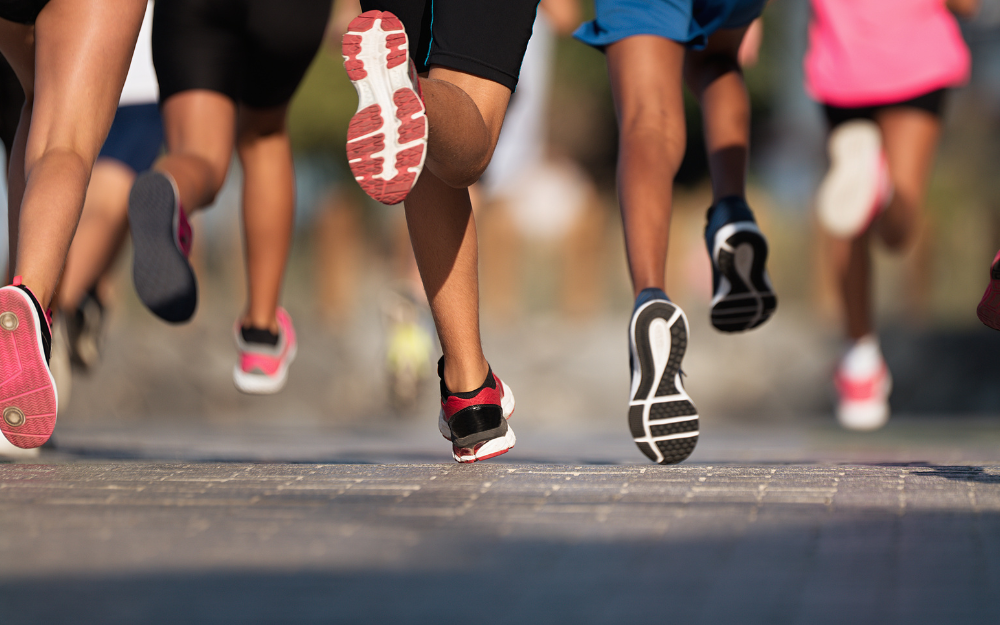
<point>268,209</point>
<point>81,56</point>
<point>646,81</point>
<point>199,127</point>
<point>715,77</point>
<point>910,137</point>
<point>101,232</point>
<point>465,114</point>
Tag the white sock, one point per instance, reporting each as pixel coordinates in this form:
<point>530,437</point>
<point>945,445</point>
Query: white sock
<point>863,358</point>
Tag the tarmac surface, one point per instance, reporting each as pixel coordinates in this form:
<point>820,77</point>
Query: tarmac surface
<point>174,523</point>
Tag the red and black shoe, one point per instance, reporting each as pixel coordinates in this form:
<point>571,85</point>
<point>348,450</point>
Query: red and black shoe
<point>28,401</point>
<point>387,137</point>
<point>476,422</point>
<point>988,310</point>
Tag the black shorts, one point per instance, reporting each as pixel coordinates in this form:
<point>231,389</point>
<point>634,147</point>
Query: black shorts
<point>253,51</point>
<point>931,102</point>
<point>485,38</point>
<point>21,11</point>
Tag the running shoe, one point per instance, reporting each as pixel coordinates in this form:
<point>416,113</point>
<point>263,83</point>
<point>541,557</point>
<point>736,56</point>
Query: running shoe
<point>264,357</point>
<point>476,422</point>
<point>28,400</point>
<point>161,244</point>
<point>84,330</point>
<point>661,415</point>
<point>989,307</point>
<point>857,187</point>
<point>387,137</point>
<point>863,384</point>
<point>742,294</point>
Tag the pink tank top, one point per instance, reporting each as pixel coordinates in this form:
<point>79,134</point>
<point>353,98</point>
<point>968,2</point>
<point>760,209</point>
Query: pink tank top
<point>870,52</point>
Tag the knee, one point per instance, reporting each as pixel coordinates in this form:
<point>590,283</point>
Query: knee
<point>654,134</point>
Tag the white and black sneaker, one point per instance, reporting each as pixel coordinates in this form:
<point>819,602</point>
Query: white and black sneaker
<point>661,416</point>
<point>743,297</point>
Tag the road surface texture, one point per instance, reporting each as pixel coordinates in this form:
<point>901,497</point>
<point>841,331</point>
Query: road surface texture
<point>763,525</point>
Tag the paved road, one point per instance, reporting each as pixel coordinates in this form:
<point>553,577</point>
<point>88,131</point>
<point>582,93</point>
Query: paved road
<point>371,536</point>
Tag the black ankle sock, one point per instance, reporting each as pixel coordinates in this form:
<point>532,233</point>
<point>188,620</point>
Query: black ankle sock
<point>259,335</point>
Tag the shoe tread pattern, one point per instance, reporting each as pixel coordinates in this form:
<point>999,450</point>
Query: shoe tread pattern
<point>25,381</point>
<point>746,306</point>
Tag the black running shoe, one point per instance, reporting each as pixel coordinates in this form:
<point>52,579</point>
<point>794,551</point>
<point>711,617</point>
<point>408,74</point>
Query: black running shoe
<point>161,243</point>
<point>661,416</point>
<point>742,294</point>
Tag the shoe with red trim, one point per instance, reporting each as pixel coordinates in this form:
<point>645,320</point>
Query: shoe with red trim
<point>988,310</point>
<point>857,187</point>
<point>387,137</point>
<point>863,396</point>
<point>28,400</point>
<point>476,422</point>
<point>264,357</point>
<point>161,244</point>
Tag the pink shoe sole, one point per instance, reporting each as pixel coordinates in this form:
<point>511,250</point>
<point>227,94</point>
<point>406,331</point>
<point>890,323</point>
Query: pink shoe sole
<point>988,310</point>
<point>28,402</point>
<point>387,137</point>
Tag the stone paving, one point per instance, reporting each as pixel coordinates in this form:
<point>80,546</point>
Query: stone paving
<point>86,539</point>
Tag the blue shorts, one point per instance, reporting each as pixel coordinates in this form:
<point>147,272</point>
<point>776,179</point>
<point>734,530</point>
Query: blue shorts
<point>136,136</point>
<point>689,22</point>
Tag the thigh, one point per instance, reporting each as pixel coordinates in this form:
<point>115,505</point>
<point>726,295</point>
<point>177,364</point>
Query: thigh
<point>910,138</point>
<point>197,45</point>
<point>491,98</point>
<point>281,41</point>
<point>82,54</point>
<point>17,43</point>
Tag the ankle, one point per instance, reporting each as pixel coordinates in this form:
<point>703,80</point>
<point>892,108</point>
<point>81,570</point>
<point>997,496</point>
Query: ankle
<point>464,375</point>
<point>261,322</point>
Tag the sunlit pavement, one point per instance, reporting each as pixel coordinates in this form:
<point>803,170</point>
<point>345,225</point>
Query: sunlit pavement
<point>764,524</point>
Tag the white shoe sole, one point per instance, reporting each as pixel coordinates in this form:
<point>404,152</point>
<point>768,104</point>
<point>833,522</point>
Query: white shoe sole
<point>848,199</point>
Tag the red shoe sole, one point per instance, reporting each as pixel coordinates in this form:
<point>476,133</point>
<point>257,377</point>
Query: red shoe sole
<point>28,402</point>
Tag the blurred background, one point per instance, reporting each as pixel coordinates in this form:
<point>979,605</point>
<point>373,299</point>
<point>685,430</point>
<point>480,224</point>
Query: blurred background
<point>555,291</point>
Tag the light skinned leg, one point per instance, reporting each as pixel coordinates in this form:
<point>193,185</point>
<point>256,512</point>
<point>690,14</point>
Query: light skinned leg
<point>101,232</point>
<point>268,208</point>
<point>199,127</point>
<point>465,114</point>
<point>646,82</point>
<point>909,137</point>
<point>715,78</point>
<point>81,55</point>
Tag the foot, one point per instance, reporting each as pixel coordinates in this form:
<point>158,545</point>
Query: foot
<point>856,189</point>
<point>661,416</point>
<point>84,330</point>
<point>28,401</point>
<point>264,357</point>
<point>742,294</point>
<point>161,244</point>
<point>387,137</point>
<point>989,307</point>
<point>863,384</point>
<point>476,422</point>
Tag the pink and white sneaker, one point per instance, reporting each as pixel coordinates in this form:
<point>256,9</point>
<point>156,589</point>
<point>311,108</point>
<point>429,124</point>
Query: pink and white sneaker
<point>476,422</point>
<point>863,383</point>
<point>264,358</point>
<point>988,310</point>
<point>387,137</point>
<point>28,400</point>
<point>857,187</point>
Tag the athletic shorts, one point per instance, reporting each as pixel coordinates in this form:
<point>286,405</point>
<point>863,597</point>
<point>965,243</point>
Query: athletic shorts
<point>136,136</point>
<point>252,51</point>
<point>21,11</point>
<point>690,22</point>
<point>931,102</point>
<point>485,38</point>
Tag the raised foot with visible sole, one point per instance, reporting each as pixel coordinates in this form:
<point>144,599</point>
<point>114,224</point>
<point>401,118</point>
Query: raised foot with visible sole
<point>661,416</point>
<point>161,272</point>
<point>744,298</point>
<point>387,137</point>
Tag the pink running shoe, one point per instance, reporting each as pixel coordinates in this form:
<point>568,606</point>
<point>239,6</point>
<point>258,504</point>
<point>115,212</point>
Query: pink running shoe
<point>989,307</point>
<point>387,137</point>
<point>864,400</point>
<point>476,422</point>
<point>264,358</point>
<point>28,401</point>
